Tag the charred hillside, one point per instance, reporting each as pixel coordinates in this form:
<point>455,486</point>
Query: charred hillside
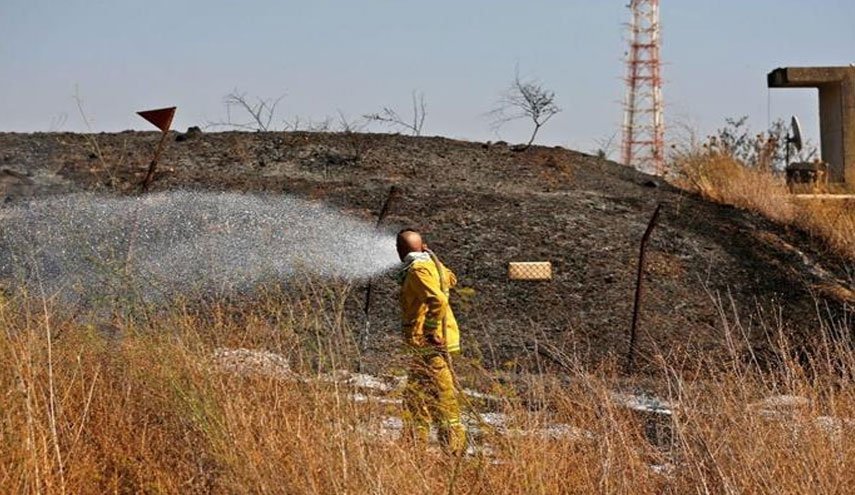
<point>483,205</point>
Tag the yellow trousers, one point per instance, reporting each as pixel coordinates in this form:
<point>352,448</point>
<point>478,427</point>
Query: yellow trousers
<point>430,398</point>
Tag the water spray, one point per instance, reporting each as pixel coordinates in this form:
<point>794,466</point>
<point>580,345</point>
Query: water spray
<point>185,245</point>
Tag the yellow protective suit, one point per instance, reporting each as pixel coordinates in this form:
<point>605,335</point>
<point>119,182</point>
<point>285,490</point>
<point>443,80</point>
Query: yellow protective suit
<point>427,317</point>
<point>431,333</point>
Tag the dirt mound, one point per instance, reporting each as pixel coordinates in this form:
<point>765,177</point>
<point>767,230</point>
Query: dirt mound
<point>484,205</point>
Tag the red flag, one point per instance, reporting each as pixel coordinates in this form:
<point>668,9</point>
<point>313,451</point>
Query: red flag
<point>161,117</point>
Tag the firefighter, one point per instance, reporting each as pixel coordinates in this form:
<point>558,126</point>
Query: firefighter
<point>431,335</point>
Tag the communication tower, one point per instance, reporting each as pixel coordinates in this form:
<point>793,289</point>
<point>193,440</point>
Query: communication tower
<point>643,143</point>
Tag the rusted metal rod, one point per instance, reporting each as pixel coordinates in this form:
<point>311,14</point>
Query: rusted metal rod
<point>152,167</point>
<point>162,119</point>
<point>639,288</point>
<point>149,176</point>
<point>366,308</point>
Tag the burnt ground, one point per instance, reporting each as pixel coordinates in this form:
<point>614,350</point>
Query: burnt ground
<point>483,205</point>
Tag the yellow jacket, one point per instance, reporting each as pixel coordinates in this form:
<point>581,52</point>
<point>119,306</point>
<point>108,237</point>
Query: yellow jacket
<point>424,305</point>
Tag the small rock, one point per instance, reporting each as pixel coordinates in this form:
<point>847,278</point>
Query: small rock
<point>780,406</point>
<point>558,431</point>
<point>193,132</point>
<point>253,362</point>
<point>666,469</point>
<point>783,401</point>
<point>643,402</point>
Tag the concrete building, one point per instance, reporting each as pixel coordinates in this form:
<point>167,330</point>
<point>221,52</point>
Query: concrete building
<point>836,87</point>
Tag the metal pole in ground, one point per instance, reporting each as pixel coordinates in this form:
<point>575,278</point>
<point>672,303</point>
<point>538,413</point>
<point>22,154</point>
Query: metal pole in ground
<point>366,308</point>
<point>162,119</point>
<point>639,288</point>
<point>152,166</point>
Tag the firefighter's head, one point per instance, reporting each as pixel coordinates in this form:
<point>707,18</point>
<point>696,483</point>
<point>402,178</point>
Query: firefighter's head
<point>409,241</point>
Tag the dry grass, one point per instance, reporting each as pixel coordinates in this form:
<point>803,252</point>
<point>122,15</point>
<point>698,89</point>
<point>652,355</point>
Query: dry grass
<point>140,406</point>
<point>719,177</point>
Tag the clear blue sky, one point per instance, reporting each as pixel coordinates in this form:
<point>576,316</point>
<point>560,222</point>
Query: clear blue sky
<point>358,55</point>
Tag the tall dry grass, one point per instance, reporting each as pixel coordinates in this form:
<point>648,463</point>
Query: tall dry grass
<point>720,177</point>
<point>139,405</point>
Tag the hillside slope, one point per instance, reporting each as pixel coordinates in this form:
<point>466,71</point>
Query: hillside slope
<point>484,205</point>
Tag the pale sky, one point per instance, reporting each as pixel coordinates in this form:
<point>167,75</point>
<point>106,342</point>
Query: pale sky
<point>356,56</point>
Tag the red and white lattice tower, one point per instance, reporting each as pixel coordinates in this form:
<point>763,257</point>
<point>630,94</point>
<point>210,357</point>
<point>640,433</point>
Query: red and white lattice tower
<point>643,143</point>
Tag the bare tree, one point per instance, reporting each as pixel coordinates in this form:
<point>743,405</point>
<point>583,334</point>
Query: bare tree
<point>259,112</point>
<point>360,143</point>
<point>525,100</point>
<point>390,117</point>
<point>348,126</point>
<point>605,146</point>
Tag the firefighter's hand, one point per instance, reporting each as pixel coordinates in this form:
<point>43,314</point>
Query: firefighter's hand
<point>435,339</point>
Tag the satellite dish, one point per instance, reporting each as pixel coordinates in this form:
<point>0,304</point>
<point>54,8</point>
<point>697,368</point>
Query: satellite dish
<point>796,138</point>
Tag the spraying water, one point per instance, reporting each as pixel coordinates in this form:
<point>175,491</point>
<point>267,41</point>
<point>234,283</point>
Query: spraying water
<point>83,247</point>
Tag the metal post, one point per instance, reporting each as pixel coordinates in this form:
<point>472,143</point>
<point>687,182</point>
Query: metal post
<point>152,167</point>
<point>639,286</point>
<point>162,119</point>
<point>363,337</point>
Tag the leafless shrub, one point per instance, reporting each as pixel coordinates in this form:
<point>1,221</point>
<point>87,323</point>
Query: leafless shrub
<point>391,118</point>
<point>684,138</point>
<point>298,124</point>
<point>259,113</point>
<point>90,137</point>
<point>57,122</point>
<point>353,147</point>
<point>360,143</point>
<point>525,99</point>
<point>764,150</point>
<point>605,146</point>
